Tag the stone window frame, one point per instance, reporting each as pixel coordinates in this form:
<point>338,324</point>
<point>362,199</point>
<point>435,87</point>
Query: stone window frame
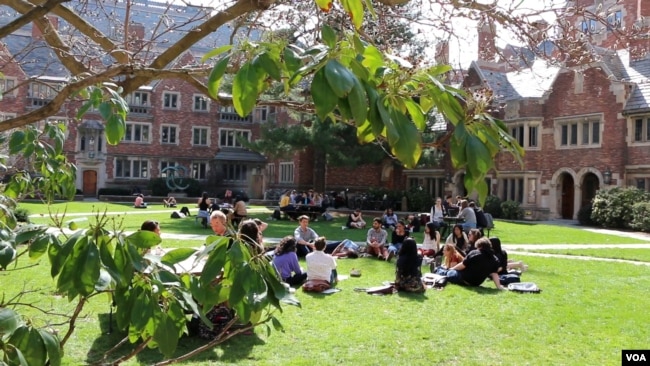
<point>170,105</point>
<point>131,139</point>
<point>575,127</point>
<point>131,160</point>
<point>645,130</point>
<point>176,134</point>
<point>200,97</point>
<point>286,172</point>
<point>207,135</point>
<point>235,172</point>
<point>4,85</point>
<point>527,127</point>
<point>162,164</point>
<point>199,169</point>
<point>236,131</point>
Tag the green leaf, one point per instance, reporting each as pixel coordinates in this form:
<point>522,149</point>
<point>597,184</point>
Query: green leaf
<point>277,325</point>
<point>358,103</point>
<point>9,321</point>
<point>52,346</point>
<point>215,262</point>
<point>88,265</point>
<point>324,5</point>
<point>408,148</point>
<point>28,232</point>
<point>216,52</point>
<point>84,108</point>
<point>7,254</point>
<point>340,79</point>
<point>324,98</point>
<point>177,255</point>
<point>354,8</point>
<point>266,61</point>
<point>372,59</point>
<point>17,142</point>
<point>344,109</point>
<point>115,129</point>
<point>39,246</point>
<point>457,146</point>
<point>244,90</point>
<point>166,335</point>
<point>214,80</point>
<point>359,45</point>
<point>30,343</point>
<point>417,116</point>
<point>292,60</point>
<point>144,239</point>
<point>105,110</point>
<point>328,35</point>
<point>364,133</point>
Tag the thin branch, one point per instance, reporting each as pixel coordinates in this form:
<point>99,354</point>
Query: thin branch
<point>73,319</point>
<point>36,12</point>
<point>114,348</point>
<point>135,351</point>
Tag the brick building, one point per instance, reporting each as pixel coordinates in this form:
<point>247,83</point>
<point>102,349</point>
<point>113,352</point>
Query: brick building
<point>584,124</point>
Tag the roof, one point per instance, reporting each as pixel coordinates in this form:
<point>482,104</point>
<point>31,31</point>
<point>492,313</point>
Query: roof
<point>638,73</point>
<point>531,82</point>
<point>236,154</point>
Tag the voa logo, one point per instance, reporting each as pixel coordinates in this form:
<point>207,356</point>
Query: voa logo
<point>635,357</point>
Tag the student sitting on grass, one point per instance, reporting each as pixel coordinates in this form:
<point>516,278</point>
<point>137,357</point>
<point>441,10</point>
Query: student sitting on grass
<point>408,276</point>
<point>355,220</point>
<point>320,265</point>
<point>170,202</point>
<point>286,262</point>
<point>139,201</point>
<point>479,264</point>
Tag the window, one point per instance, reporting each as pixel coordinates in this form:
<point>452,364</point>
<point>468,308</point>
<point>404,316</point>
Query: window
<point>512,189</point>
<point>262,113</point>
<point>168,134</point>
<point>166,164</point>
<point>640,183</point>
<point>42,93</point>
<point>286,173</point>
<point>138,102</point>
<point>131,168</point>
<point>588,26</point>
<point>199,170</point>
<point>232,138</point>
<point>235,172</point>
<point>580,134</point>
<point>532,190</point>
<point>200,103</point>
<point>526,134</point>
<point>136,132</point>
<point>436,186</point>
<point>171,100</point>
<point>641,130</point>
<point>615,20</point>
<point>200,136</point>
<point>7,85</point>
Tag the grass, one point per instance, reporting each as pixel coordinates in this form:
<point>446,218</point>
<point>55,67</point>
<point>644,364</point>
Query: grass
<point>633,254</point>
<point>577,320</point>
<point>509,232</point>
<point>588,310</point>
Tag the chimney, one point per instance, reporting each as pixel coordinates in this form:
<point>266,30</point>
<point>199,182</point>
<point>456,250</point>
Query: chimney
<point>487,49</point>
<point>36,31</point>
<point>442,53</point>
<point>136,31</point>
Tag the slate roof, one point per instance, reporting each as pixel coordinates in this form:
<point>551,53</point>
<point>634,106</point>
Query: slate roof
<point>532,82</point>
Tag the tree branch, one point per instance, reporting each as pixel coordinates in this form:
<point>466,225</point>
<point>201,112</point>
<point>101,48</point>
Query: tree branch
<point>241,7</point>
<point>87,29</point>
<point>73,319</point>
<point>36,12</point>
<point>51,36</point>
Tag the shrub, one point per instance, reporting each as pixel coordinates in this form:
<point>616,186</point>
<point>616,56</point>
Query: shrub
<point>158,187</point>
<point>512,210</point>
<point>641,214</point>
<point>22,214</point>
<point>114,191</point>
<point>493,206</point>
<point>584,215</point>
<point>613,207</point>
<point>418,200</point>
<point>194,188</point>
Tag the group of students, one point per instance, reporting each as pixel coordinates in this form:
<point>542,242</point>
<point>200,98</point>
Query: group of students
<point>293,202</point>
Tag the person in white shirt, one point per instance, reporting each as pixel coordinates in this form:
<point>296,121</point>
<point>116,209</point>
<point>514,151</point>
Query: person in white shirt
<point>320,265</point>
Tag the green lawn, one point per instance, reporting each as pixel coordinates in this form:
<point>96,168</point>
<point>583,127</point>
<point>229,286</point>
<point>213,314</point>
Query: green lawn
<point>642,255</point>
<point>578,319</point>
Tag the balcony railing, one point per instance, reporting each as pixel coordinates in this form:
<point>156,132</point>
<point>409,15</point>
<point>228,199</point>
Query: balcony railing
<point>233,117</point>
<point>140,109</point>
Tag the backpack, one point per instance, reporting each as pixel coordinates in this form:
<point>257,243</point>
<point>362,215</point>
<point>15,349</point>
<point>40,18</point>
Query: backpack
<point>185,211</point>
<point>176,215</point>
<point>277,215</point>
<point>328,216</point>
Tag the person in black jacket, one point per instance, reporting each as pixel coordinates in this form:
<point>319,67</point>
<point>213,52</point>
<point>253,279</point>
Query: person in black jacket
<point>476,267</point>
<point>408,276</point>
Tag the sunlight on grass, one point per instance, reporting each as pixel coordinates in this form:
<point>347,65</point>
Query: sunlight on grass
<point>642,255</point>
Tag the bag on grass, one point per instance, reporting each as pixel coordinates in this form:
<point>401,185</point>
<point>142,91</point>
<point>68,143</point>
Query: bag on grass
<point>315,286</point>
<point>328,216</point>
<point>524,288</point>
<point>185,211</point>
<point>378,290</point>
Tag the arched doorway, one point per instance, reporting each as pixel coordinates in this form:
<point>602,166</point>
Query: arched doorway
<point>590,185</point>
<point>568,189</point>
<point>89,183</point>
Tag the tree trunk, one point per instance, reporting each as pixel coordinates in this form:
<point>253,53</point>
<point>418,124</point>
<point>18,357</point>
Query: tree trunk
<point>320,161</point>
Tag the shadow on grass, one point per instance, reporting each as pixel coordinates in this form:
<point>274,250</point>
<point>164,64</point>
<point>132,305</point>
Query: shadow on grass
<point>233,350</point>
<point>480,289</point>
